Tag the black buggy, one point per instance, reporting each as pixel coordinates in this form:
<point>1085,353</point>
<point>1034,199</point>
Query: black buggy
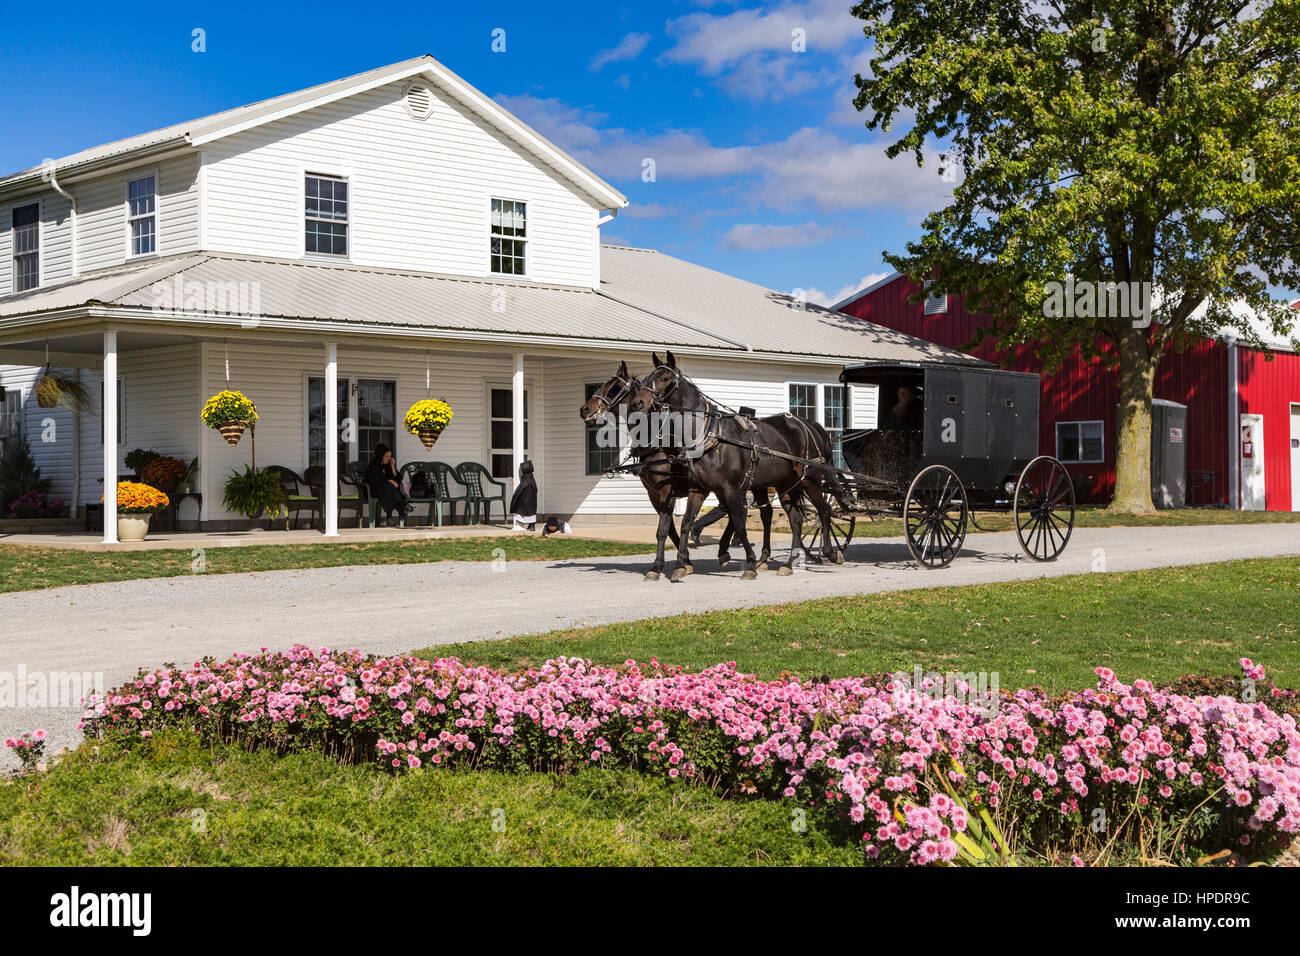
<point>952,439</point>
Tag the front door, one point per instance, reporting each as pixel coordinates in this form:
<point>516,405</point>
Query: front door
<point>1252,462</point>
<point>1295,456</point>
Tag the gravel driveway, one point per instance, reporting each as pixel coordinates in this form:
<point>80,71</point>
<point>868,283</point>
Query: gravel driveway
<point>113,629</point>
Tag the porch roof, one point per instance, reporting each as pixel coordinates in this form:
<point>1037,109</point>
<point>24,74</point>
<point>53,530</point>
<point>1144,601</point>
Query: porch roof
<point>646,299</point>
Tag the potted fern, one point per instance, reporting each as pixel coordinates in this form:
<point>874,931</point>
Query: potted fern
<point>254,493</point>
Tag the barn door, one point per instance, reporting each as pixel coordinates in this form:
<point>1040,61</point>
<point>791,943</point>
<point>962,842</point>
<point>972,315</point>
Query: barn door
<point>1252,462</point>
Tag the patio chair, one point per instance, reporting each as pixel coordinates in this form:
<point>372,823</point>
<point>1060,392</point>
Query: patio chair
<point>435,476</point>
<point>355,475</point>
<point>479,483</point>
<point>349,498</point>
<point>299,496</point>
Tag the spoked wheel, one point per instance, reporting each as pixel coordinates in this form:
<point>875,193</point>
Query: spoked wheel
<point>841,530</point>
<point>1044,508</point>
<point>935,515</point>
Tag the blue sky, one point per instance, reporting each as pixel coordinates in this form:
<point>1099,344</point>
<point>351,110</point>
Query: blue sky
<point>762,168</point>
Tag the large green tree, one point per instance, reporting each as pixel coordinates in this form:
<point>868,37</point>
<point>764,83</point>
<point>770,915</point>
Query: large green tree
<point>1109,141</point>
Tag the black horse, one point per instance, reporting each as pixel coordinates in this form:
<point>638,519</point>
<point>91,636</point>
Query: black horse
<point>665,480</point>
<point>729,454</point>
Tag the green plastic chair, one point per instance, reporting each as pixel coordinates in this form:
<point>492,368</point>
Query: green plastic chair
<point>355,474</point>
<point>436,484</point>
<point>477,481</point>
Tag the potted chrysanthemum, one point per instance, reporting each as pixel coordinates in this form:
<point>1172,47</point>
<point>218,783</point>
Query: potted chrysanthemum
<point>426,419</point>
<point>230,412</point>
<point>136,504</point>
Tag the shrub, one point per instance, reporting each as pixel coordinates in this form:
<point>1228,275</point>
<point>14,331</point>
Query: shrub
<point>29,748</point>
<point>18,473</point>
<point>138,458</point>
<point>37,504</point>
<point>906,771</point>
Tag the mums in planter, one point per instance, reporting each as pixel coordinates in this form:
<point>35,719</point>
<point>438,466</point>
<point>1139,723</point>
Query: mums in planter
<point>136,504</point>
<point>426,419</point>
<point>230,412</point>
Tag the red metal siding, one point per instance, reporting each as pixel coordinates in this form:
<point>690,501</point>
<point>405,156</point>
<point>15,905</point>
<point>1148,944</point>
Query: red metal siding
<point>1269,388</point>
<point>1089,391</point>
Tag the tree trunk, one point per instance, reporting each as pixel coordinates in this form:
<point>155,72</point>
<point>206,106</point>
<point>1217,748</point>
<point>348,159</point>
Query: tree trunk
<point>1137,370</point>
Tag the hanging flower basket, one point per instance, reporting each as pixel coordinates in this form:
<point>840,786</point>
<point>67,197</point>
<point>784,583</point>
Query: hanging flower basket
<point>55,388</point>
<point>230,413</point>
<point>426,419</point>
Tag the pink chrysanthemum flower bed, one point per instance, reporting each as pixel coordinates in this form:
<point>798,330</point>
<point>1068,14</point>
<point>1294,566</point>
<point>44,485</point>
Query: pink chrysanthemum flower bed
<point>860,748</point>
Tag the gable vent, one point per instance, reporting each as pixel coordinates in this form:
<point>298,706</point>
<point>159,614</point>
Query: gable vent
<point>418,99</point>
<point>936,304</point>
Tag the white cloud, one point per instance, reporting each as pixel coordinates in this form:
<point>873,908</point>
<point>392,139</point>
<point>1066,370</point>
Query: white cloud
<point>648,210</point>
<point>823,299</point>
<point>715,42</point>
<point>628,48</point>
<point>752,237</point>
<point>809,166</point>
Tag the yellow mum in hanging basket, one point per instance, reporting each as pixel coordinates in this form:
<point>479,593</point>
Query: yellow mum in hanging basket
<point>229,412</point>
<point>136,498</point>
<point>427,419</point>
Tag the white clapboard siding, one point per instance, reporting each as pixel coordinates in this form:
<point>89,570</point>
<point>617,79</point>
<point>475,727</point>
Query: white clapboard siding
<point>101,212</point>
<point>275,378</point>
<point>419,190</point>
<point>51,432</point>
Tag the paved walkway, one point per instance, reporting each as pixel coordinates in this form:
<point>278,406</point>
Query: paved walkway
<point>115,628</point>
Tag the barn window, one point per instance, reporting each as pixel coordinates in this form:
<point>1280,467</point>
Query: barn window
<point>26,222</point>
<point>936,304</point>
<point>142,216</point>
<point>508,237</point>
<point>1081,442</point>
<point>326,209</point>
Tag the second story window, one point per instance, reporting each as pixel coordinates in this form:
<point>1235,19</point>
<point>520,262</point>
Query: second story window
<point>327,215</point>
<point>27,247</point>
<point>509,237</point>
<point>142,215</point>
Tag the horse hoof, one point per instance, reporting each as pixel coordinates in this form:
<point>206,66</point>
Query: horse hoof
<point>839,557</point>
<point>690,569</point>
<point>724,560</point>
<point>749,575</point>
<point>761,566</point>
<point>679,574</point>
<point>652,576</point>
<point>783,570</point>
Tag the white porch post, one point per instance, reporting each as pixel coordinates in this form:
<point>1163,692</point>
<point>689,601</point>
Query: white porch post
<point>517,418</point>
<point>109,415</point>
<point>331,503</point>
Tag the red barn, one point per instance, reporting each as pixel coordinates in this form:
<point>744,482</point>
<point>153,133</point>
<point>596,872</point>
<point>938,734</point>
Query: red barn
<point>1243,405</point>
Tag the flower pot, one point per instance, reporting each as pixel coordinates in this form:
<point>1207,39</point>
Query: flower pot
<point>232,432</point>
<point>132,527</point>
<point>427,437</point>
<point>185,488</point>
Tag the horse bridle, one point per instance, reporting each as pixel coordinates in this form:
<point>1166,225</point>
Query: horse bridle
<point>658,403</point>
<point>610,403</point>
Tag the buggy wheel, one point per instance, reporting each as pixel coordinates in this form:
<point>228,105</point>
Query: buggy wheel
<point>1044,508</point>
<point>935,515</point>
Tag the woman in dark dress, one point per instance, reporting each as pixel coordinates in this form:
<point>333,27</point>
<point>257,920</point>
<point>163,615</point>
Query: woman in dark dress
<point>382,483</point>
<point>523,504</point>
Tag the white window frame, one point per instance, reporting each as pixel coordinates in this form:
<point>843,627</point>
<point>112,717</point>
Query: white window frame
<point>530,437</point>
<point>156,215</point>
<point>324,172</point>
<point>349,410</point>
<point>527,240</point>
<point>39,203</point>
<point>1056,439</point>
<point>624,437</point>
<point>819,389</point>
<point>934,304</point>
<point>11,422</point>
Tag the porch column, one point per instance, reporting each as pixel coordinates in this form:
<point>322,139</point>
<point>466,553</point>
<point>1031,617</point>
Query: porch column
<point>109,416</point>
<point>517,418</point>
<point>331,503</point>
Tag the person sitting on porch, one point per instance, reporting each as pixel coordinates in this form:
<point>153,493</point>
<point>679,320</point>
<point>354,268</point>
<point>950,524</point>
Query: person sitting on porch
<point>523,504</point>
<point>382,483</point>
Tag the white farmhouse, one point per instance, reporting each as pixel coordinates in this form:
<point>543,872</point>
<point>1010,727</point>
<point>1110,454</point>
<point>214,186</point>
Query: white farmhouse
<point>340,253</point>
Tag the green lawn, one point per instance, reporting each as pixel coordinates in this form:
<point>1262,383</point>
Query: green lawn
<point>1050,632</point>
<point>25,568</point>
<point>186,805</point>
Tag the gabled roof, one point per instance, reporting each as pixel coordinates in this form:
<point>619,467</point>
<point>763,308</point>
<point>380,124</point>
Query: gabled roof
<point>878,284</point>
<point>646,300</point>
<point>194,133</point>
